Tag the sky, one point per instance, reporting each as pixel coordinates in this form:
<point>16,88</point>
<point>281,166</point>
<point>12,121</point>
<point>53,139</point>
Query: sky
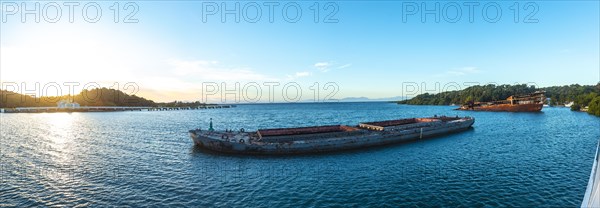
<point>294,50</point>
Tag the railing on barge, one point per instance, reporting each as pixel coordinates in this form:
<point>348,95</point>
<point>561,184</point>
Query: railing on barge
<point>592,193</point>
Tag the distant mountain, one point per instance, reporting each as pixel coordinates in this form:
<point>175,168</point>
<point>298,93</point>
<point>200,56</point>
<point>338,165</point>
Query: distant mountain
<point>366,99</point>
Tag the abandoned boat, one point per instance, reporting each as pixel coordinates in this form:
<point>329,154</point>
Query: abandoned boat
<point>526,103</point>
<point>327,138</point>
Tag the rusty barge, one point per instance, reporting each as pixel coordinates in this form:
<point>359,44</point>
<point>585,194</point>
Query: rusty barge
<point>526,103</point>
<point>317,139</point>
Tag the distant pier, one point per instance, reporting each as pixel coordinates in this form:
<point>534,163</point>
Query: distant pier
<point>105,109</point>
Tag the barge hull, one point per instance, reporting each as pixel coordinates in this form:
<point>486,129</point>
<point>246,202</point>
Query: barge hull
<point>509,108</point>
<point>365,139</point>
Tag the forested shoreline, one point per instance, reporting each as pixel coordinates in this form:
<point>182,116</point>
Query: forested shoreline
<point>93,97</point>
<point>582,96</point>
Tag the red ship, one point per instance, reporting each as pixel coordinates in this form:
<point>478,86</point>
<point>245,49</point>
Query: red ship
<point>523,103</point>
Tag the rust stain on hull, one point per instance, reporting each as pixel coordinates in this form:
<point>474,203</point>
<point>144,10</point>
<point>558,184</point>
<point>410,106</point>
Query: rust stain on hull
<point>508,108</point>
<point>525,103</point>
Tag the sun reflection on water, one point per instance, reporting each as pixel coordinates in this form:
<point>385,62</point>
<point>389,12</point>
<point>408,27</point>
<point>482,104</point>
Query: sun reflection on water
<point>60,126</point>
<point>61,145</point>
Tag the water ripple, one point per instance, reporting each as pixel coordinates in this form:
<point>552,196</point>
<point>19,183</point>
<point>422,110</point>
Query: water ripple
<point>146,159</point>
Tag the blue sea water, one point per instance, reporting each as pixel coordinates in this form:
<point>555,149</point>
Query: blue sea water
<point>147,159</point>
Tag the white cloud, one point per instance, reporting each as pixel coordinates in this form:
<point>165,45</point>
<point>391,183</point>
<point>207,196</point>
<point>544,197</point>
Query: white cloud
<point>182,79</point>
<point>299,75</point>
<point>327,66</point>
<point>344,66</point>
<point>323,66</point>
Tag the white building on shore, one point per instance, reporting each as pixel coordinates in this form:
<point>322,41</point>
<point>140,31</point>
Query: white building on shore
<point>67,104</point>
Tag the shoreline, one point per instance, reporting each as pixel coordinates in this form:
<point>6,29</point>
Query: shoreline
<point>104,109</point>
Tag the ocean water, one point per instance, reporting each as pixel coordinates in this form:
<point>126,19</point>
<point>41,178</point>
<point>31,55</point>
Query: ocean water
<point>147,159</point>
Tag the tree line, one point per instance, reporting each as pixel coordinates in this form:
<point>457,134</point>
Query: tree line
<point>93,97</point>
<point>580,95</point>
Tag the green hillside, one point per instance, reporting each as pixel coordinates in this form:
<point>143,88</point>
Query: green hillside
<point>581,95</point>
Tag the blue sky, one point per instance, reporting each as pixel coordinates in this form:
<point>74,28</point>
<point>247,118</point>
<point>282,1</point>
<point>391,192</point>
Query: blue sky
<point>370,51</point>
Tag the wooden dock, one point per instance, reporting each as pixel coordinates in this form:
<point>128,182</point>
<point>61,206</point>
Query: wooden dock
<point>105,109</point>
